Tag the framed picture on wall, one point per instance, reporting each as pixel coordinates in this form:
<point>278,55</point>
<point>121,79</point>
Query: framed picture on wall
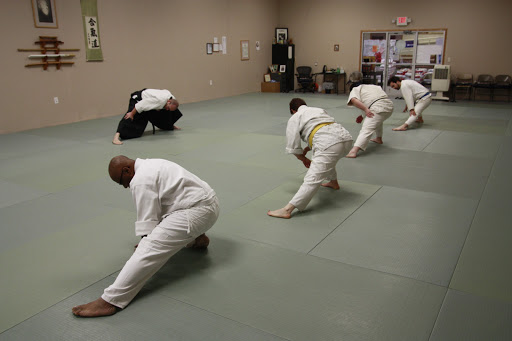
<point>244,49</point>
<point>282,68</point>
<point>281,35</point>
<point>209,48</point>
<point>45,13</point>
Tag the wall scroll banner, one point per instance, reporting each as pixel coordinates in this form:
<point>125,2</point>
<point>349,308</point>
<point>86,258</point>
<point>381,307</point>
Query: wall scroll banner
<point>91,30</point>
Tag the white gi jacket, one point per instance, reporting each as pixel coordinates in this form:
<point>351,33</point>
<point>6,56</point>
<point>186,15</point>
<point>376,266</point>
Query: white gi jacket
<point>412,91</point>
<point>302,123</point>
<point>373,97</point>
<point>160,187</point>
<point>153,99</point>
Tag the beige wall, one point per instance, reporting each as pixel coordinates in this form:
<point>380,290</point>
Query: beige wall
<point>477,38</point>
<point>161,44</point>
<point>153,43</point>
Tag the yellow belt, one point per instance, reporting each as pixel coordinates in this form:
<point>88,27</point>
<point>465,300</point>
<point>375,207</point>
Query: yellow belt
<point>313,132</point>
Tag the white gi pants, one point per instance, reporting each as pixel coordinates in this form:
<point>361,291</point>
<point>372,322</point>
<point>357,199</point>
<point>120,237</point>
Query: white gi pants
<point>371,125</point>
<point>323,167</point>
<point>172,234</point>
<point>421,105</point>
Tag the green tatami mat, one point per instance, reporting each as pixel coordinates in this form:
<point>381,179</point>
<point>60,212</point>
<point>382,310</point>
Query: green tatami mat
<point>485,262</point>
<point>414,246</point>
<point>152,318</point>
<point>466,144</point>
<point>413,234</point>
<point>42,271</point>
<point>472,318</point>
<point>420,171</point>
<point>299,297</point>
<point>20,144</point>
<point>14,193</point>
<point>305,229</point>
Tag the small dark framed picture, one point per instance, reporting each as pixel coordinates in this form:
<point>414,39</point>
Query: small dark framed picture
<point>281,35</point>
<point>336,47</point>
<point>209,48</point>
<point>45,13</point>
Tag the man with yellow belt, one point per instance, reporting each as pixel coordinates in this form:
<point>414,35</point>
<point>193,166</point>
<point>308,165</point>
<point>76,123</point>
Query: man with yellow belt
<point>329,142</point>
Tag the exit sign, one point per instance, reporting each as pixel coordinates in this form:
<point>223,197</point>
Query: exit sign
<point>401,21</point>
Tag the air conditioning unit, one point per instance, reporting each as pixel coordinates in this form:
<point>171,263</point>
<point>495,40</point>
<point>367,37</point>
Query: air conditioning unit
<point>441,81</point>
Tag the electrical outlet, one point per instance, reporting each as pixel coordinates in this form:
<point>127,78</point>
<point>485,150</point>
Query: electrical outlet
<point>56,100</point>
<point>211,82</point>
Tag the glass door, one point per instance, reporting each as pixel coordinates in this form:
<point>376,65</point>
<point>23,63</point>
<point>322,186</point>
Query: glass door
<point>405,54</point>
<point>402,49</point>
<point>373,57</point>
<point>430,52</point>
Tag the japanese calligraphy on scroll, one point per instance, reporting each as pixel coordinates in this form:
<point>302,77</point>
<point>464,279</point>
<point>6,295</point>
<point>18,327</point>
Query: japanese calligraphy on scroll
<point>91,30</point>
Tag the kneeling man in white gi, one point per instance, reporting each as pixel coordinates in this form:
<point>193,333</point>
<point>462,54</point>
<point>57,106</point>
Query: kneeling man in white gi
<point>417,99</point>
<point>329,142</point>
<point>174,210</point>
<point>377,108</point>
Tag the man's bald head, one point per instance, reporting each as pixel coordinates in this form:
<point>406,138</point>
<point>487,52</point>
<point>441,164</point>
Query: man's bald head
<point>172,105</point>
<point>121,164</point>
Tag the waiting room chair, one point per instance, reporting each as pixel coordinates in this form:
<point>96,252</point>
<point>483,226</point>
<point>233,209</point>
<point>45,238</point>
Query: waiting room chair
<point>484,82</point>
<point>464,82</point>
<point>503,82</point>
<point>305,79</point>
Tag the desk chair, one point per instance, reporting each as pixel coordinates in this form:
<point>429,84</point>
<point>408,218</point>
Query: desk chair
<point>305,79</point>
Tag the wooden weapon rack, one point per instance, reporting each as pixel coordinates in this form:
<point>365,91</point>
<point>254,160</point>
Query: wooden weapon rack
<point>51,45</point>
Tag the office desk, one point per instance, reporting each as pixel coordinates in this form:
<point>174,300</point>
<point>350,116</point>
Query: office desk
<point>335,78</point>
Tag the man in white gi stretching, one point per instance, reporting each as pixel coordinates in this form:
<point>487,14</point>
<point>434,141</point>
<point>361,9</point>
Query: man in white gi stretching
<point>159,107</point>
<point>417,98</point>
<point>329,142</point>
<point>377,108</point>
<point>174,210</point>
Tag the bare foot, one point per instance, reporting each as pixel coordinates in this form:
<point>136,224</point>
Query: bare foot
<point>177,128</point>
<point>353,152</point>
<point>332,184</point>
<point>403,127</point>
<point>97,308</point>
<point>280,213</point>
<point>200,242</point>
<point>116,139</point>
<point>377,140</point>
<point>420,119</point>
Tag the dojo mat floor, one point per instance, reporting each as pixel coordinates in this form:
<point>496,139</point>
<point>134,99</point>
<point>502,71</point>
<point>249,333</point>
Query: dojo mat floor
<point>415,246</point>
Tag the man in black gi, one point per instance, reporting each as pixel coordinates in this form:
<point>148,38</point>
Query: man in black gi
<point>148,105</point>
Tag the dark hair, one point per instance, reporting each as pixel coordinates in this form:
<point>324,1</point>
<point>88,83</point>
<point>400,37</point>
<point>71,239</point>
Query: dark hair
<point>354,85</point>
<point>296,103</point>
<point>394,79</point>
